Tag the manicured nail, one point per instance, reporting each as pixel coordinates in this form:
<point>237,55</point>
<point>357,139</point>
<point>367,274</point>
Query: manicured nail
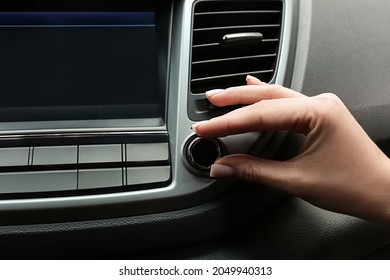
<point>194,127</point>
<point>251,78</point>
<point>221,171</point>
<point>213,92</point>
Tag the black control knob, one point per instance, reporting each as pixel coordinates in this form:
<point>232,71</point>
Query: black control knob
<point>201,153</point>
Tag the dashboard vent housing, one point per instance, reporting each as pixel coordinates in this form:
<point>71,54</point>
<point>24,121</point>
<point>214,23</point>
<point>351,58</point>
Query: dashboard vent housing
<point>216,64</point>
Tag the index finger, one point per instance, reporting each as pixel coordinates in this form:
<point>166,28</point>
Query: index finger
<point>270,115</point>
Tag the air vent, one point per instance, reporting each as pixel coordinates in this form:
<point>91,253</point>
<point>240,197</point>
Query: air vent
<point>219,63</point>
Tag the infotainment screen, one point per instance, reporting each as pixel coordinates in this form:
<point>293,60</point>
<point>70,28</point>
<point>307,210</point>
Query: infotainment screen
<point>82,65</point>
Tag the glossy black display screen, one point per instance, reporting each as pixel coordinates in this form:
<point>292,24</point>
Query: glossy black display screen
<point>78,66</point>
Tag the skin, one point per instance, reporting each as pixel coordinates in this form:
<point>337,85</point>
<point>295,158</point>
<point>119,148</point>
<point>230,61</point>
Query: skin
<point>338,168</point>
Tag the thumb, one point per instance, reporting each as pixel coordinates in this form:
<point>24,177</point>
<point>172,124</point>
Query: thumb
<point>277,174</point>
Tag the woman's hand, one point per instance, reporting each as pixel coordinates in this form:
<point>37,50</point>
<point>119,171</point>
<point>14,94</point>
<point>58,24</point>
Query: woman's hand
<point>338,167</point>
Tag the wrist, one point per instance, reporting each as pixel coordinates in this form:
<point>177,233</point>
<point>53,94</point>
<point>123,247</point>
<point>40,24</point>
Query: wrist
<point>378,194</point>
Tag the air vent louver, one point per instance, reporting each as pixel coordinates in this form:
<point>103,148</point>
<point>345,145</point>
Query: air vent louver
<point>218,65</point>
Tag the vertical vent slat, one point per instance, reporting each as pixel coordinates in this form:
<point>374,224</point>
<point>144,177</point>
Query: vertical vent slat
<point>215,65</point>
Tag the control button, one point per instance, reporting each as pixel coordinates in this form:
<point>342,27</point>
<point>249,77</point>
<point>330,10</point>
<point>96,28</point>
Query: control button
<point>48,181</point>
<point>100,153</point>
<point>14,156</point>
<point>147,175</point>
<point>201,153</point>
<point>100,178</point>
<point>147,152</point>
<point>55,155</point>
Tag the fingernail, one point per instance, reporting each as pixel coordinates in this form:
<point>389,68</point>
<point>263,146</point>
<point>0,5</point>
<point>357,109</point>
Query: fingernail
<point>221,171</point>
<point>251,78</point>
<point>194,127</point>
<point>212,92</point>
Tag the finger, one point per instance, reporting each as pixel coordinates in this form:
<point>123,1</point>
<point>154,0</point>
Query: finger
<point>243,95</point>
<point>269,115</point>
<point>277,174</point>
<point>250,80</point>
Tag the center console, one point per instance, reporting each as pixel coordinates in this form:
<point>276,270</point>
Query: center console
<point>98,100</point>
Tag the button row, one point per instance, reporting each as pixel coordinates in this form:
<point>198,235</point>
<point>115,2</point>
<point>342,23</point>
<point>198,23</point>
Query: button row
<point>71,180</point>
<point>53,155</point>
<point>78,177</point>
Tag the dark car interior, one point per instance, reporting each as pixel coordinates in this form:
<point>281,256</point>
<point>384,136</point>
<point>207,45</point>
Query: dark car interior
<point>97,156</point>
